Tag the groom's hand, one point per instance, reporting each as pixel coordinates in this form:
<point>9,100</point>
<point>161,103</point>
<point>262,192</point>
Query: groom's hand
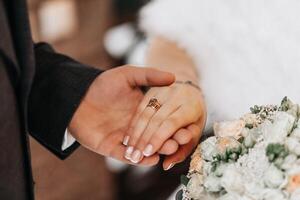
<point>104,114</point>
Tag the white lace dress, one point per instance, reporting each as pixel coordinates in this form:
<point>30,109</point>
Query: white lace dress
<point>247,52</point>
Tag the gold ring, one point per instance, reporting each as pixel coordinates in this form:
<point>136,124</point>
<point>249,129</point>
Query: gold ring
<point>154,103</point>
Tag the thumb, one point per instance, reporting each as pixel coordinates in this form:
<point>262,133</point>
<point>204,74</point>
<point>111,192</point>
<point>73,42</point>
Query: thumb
<point>137,76</point>
<point>183,152</point>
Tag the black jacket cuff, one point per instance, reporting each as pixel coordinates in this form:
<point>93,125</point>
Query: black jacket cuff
<point>59,85</point>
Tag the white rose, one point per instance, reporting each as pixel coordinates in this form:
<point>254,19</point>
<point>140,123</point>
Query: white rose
<point>273,177</point>
<point>229,128</point>
<point>195,186</point>
<point>221,169</point>
<point>232,181</point>
<point>295,169</point>
<point>273,194</point>
<point>212,183</point>
<point>208,148</point>
<point>206,167</point>
<point>295,195</point>
<point>277,131</point>
<point>293,145</point>
<point>230,196</point>
<point>254,190</point>
<point>289,162</point>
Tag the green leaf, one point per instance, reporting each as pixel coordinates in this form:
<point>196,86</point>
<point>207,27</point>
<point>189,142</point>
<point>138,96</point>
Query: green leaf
<point>256,109</point>
<point>275,151</point>
<point>184,180</point>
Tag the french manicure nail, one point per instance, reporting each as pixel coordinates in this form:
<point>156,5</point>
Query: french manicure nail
<point>148,150</point>
<point>128,152</point>
<point>136,156</point>
<point>170,166</point>
<point>126,140</point>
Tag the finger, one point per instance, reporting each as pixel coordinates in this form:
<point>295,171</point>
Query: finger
<point>132,152</point>
<point>158,118</point>
<point>174,122</point>
<point>183,136</point>
<point>184,151</point>
<point>138,76</point>
<point>169,147</point>
<point>140,109</point>
<point>118,153</point>
<point>112,147</point>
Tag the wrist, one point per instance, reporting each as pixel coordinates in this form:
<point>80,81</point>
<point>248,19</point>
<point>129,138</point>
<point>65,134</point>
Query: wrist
<point>187,77</point>
<point>188,82</point>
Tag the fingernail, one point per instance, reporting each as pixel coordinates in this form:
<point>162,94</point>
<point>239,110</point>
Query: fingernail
<point>126,140</point>
<point>148,150</point>
<point>170,166</point>
<point>128,152</point>
<point>136,156</point>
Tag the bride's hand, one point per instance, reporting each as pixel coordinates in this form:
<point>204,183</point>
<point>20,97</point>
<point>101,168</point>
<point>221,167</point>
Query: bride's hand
<point>182,108</point>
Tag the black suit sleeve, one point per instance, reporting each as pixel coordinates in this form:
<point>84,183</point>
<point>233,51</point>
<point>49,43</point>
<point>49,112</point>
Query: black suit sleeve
<point>59,85</point>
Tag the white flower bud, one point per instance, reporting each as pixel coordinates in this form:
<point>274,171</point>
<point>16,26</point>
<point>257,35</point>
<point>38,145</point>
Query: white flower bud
<point>212,183</point>
<point>221,169</point>
<point>249,141</point>
<point>208,148</point>
<point>273,177</point>
<point>289,161</point>
<point>232,180</point>
<point>293,145</point>
<point>277,131</point>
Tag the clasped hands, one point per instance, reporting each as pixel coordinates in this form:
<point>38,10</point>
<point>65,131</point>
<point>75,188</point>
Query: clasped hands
<point>114,118</point>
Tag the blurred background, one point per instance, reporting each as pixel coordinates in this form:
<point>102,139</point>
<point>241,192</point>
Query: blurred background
<point>104,34</point>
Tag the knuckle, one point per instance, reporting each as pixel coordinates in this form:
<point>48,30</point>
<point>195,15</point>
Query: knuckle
<point>147,115</point>
<point>144,118</point>
<point>156,119</point>
<point>188,114</point>
<point>158,139</point>
<point>172,122</point>
<point>130,130</point>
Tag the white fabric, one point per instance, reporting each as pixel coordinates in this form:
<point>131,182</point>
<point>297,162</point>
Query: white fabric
<point>68,140</point>
<point>247,51</point>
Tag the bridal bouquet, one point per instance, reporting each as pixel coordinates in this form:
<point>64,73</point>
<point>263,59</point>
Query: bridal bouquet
<point>254,158</point>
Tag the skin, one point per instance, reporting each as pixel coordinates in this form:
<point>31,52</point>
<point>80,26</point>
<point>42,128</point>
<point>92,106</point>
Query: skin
<point>175,128</point>
<point>103,117</point>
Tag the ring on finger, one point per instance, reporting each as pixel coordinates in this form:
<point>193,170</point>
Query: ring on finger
<point>154,103</point>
